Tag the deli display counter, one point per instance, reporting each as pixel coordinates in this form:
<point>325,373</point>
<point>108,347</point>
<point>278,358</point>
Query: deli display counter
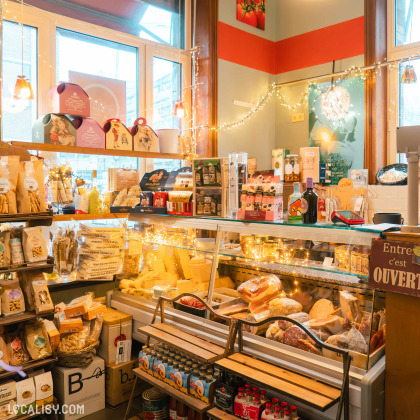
<point>251,271</point>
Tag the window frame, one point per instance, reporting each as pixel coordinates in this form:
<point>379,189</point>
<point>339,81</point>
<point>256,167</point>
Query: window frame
<point>46,24</point>
<point>394,53</point>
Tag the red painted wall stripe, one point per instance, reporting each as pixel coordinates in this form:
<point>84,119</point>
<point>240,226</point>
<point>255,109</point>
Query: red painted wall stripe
<point>335,42</point>
<point>246,49</point>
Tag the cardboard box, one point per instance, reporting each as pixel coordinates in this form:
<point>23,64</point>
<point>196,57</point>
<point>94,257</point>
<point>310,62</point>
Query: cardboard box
<point>179,209</point>
<point>96,310</point>
<point>78,306</point>
<point>43,389</point>
<point>69,325</point>
<point>144,137</point>
<point>69,98</point>
<point>277,160</point>
<point>7,400</point>
<point>81,386</point>
<point>25,396</point>
<point>54,129</point>
<point>117,326</point>
<point>117,136</point>
<point>309,163</point>
<point>119,382</point>
<point>53,334</point>
<point>88,133</point>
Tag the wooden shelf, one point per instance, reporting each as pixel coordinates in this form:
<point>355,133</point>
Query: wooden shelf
<point>34,364</point>
<point>186,342</point>
<point>217,413</point>
<point>77,217</point>
<point>33,219</point>
<point>23,317</point>
<point>189,400</point>
<point>42,147</point>
<point>307,390</point>
<point>45,266</point>
<point>68,285</point>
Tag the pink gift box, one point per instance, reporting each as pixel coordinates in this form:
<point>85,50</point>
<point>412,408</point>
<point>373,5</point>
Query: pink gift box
<point>117,136</point>
<point>89,133</point>
<point>144,138</point>
<point>68,98</point>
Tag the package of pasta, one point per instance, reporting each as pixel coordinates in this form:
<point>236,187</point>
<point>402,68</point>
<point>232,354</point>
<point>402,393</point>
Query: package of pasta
<point>30,187</point>
<point>16,349</point>
<point>41,295</point>
<point>26,286</point>
<point>9,168</point>
<point>5,249</point>
<point>34,244</point>
<point>12,300</point>
<point>16,250</point>
<point>37,341</point>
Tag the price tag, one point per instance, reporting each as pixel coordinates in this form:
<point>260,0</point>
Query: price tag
<point>358,204</point>
<point>328,262</point>
<point>123,352</point>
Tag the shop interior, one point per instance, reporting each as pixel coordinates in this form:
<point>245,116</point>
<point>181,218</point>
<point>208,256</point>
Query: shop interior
<point>209,209</point>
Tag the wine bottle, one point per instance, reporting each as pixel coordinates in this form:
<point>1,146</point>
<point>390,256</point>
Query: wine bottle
<point>309,203</point>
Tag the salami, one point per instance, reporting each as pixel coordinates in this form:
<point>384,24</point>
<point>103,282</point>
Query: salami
<point>292,335</point>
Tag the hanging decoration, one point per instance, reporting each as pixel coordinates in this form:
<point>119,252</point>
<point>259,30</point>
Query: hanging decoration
<point>23,88</point>
<point>409,75</point>
<point>179,109</point>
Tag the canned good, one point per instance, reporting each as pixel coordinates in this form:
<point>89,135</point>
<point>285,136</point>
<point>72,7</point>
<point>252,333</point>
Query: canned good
<point>155,405</point>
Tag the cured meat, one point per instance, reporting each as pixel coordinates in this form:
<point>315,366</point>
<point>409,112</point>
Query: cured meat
<point>350,308</point>
<point>377,341</point>
<point>300,317</point>
<point>356,341</point>
<point>307,346</point>
<point>332,324</point>
<point>240,315</point>
<point>272,330</point>
<point>292,335</point>
<point>233,309</point>
<point>305,299</point>
<point>284,307</point>
<point>322,335</point>
<point>321,309</point>
<point>339,340</point>
<point>364,329</point>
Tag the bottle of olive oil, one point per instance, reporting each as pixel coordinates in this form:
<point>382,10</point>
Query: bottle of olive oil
<point>94,200</point>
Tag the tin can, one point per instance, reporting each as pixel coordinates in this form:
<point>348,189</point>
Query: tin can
<point>146,199</point>
<point>155,405</point>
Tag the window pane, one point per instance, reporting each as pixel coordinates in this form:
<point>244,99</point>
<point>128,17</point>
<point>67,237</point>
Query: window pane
<point>19,114</point>
<point>107,70</point>
<point>409,112</point>
<point>407,16</point>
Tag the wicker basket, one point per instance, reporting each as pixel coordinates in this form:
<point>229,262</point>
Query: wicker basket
<point>401,167</point>
<point>79,358</point>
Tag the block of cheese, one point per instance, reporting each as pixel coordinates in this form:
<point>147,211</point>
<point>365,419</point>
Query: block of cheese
<point>350,308</point>
<point>332,324</point>
<point>170,264</point>
<point>198,260</point>
<point>321,309</point>
<point>158,266</point>
<point>164,251</point>
<point>163,275</point>
<point>201,272</point>
<point>201,286</point>
<point>182,258</point>
<point>224,282</point>
<point>185,286</point>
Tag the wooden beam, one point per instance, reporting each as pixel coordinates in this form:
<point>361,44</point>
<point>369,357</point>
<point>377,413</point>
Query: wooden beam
<point>375,89</point>
<point>206,37</point>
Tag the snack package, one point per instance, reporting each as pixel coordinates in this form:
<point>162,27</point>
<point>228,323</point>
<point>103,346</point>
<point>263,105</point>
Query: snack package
<point>4,249</point>
<point>43,389</point>
<point>34,245</point>
<point>16,350</point>
<point>78,306</point>
<point>12,299</point>
<point>7,400</point>
<point>9,169</point>
<point>30,187</point>
<point>53,334</point>
<point>65,250</point>
<point>25,396</point>
<point>37,341</point>
<point>78,340</point>
<point>16,250</point>
<point>95,310</point>
<point>41,295</point>
<point>71,325</point>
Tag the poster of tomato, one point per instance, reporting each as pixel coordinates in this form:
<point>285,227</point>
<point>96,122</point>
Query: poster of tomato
<point>251,12</point>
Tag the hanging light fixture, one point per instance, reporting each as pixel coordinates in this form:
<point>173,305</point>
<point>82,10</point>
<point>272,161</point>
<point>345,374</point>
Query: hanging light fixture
<point>23,88</point>
<point>335,102</point>
<point>179,109</point>
<point>409,75</point>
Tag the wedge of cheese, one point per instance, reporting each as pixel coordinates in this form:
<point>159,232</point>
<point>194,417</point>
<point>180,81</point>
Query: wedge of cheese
<point>350,308</point>
<point>170,264</point>
<point>182,258</point>
<point>321,309</point>
<point>201,272</point>
<point>224,282</point>
<point>185,286</point>
<point>158,266</point>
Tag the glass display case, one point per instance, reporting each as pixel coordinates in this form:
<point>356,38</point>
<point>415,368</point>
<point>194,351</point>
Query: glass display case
<point>316,274</point>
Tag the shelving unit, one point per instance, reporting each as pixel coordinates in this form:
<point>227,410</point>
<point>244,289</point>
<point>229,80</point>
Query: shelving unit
<point>42,147</point>
<point>68,285</point>
<point>32,219</point>
<point>45,266</point>
<point>23,317</point>
<point>190,401</point>
<point>80,217</point>
<point>218,414</point>
<point>34,364</point>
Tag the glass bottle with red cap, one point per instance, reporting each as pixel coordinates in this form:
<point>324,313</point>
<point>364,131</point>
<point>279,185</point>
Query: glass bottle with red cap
<point>267,414</point>
<point>283,406</point>
<point>287,414</point>
<point>238,405</point>
<point>294,413</point>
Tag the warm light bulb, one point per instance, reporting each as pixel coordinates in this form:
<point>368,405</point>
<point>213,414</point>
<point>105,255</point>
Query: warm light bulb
<point>179,110</point>
<point>335,103</point>
<point>23,89</point>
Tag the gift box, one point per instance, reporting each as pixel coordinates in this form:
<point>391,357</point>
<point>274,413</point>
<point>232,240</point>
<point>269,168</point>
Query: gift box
<point>160,198</point>
<point>68,98</point>
<point>54,129</point>
<point>88,133</point>
<point>117,135</point>
<point>179,209</point>
<point>144,138</point>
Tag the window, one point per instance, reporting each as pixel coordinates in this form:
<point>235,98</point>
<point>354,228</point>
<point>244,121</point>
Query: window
<point>407,12</point>
<point>18,115</point>
<point>107,70</point>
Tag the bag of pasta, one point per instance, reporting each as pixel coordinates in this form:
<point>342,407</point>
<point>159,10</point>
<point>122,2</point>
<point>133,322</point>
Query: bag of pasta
<point>9,168</point>
<point>12,299</point>
<point>30,187</point>
<point>36,340</point>
<point>5,249</point>
<point>41,295</point>
<point>16,349</point>
<point>34,245</point>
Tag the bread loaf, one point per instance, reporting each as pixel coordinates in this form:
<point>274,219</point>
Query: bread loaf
<point>321,309</point>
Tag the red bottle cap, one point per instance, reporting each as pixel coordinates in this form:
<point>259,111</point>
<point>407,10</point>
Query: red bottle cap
<point>268,404</point>
<point>241,389</point>
<point>284,404</point>
<point>255,389</point>
<point>247,386</point>
<point>263,392</point>
<point>275,400</point>
<point>248,392</point>
<point>256,394</point>
<point>277,409</point>
<point>293,407</point>
<point>287,412</point>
